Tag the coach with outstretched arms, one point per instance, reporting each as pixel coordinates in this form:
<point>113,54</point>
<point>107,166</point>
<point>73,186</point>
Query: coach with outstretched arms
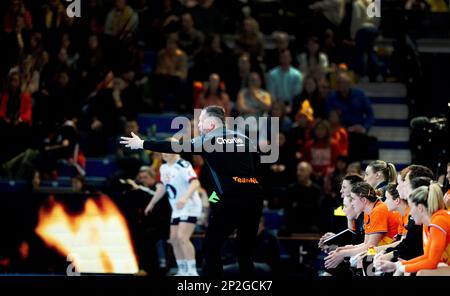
<point>233,169</point>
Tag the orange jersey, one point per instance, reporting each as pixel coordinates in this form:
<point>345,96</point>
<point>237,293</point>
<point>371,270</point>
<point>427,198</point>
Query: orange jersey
<point>436,240</point>
<point>379,220</point>
<point>405,220</point>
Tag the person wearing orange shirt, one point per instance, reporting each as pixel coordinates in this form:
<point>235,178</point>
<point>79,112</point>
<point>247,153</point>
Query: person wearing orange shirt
<point>379,227</point>
<point>427,208</point>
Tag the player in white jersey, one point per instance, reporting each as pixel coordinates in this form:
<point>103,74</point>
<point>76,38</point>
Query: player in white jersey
<point>180,183</point>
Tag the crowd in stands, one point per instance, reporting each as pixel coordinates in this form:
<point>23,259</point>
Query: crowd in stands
<point>400,224</point>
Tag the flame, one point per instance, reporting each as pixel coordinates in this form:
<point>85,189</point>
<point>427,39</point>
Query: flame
<point>96,241</point>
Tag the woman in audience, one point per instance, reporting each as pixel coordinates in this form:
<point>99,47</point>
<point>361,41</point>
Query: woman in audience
<point>250,39</point>
<point>313,61</point>
<point>253,100</point>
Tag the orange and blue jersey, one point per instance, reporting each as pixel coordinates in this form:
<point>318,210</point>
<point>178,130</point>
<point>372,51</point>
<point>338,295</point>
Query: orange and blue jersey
<point>436,241</point>
<point>379,220</point>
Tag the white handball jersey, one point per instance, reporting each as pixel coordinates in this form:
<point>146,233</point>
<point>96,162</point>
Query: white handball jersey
<point>176,179</point>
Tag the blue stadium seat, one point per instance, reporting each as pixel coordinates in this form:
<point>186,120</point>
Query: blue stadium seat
<point>12,185</point>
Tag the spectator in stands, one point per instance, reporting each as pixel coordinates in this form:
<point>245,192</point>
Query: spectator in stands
<point>284,82</point>
<point>250,39</point>
<point>427,208</point>
<point>14,45</point>
<point>379,227</point>
<point>68,53</point>
<point>127,91</point>
<point>122,21</point>
<point>379,174</point>
<point>267,254</point>
<point>92,61</point>
<point>16,8</point>
<point>322,151</point>
<point>30,75</point>
<point>329,47</point>
<point>328,15</point>
<point>101,116</point>
<point>272,56</point>
<point>16,105</point>
<point>39,55</point>
<point>67,150</point>
<point>313,62</point>
<point>356,114</point>
<point>311,93</point>
<point>241,78</point>
<point>53,15</point>
<point>324,90</point>
<point>338,132</point>
<point>58,101</point>
<point>52,22</point>
<point>214,57</point>
<point>253,100</point>
<point>215,94</point>
<point>303,204</point>
<point>302,130</point>
<point>191,39</point>
<point>171,71</point>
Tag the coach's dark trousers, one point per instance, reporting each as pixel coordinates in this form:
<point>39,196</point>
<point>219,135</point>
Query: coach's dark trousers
<point>240,212</point>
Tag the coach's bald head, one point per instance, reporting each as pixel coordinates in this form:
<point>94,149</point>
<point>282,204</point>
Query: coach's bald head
<point>210,118</point>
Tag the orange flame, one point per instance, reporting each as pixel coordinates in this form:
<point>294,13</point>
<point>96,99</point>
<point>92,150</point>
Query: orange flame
<point>97,239</point>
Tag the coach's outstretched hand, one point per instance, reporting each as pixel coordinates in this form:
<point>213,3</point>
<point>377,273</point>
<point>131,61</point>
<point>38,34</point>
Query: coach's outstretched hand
<point>133,143</point>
